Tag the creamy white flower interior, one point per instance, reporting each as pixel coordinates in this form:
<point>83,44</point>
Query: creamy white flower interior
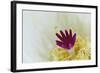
<point>40,27</point>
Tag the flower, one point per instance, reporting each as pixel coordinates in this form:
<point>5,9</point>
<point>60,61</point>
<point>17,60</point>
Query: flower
<point>67,40</point>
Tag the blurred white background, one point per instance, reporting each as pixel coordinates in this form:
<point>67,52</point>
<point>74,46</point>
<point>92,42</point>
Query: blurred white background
<point>5,36</point>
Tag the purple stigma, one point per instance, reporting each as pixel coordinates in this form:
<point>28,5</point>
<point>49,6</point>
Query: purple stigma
<point>66,40</point>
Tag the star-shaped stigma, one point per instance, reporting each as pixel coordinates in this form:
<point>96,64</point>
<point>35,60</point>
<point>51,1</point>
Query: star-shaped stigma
<point>66,40</point>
